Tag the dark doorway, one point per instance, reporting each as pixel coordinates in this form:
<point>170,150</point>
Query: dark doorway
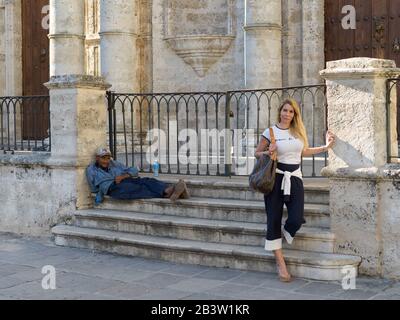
<point>35,65</point>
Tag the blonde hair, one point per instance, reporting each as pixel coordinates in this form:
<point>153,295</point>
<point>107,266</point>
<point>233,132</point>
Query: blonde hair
<point>297,128</point>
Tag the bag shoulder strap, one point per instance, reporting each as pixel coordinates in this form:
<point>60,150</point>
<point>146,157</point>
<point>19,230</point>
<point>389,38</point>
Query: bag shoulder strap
<point>272,135</point>
<point>273,140</point>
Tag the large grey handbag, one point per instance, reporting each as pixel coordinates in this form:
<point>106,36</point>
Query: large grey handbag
<point>262,179</point>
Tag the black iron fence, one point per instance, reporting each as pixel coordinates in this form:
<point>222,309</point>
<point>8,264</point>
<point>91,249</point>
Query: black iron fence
<point>393,119</point>
<point>25,124</point>
<point>207,133</point>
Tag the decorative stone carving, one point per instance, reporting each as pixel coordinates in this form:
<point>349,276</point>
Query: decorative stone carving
<point>200,32</point>
<point>92,17</point>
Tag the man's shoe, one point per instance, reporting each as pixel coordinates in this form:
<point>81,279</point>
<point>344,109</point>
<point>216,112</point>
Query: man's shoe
<point>186,193</point>
<point>178,190</point>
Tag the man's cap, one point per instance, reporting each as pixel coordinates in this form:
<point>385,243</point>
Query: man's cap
<point>103,152</point>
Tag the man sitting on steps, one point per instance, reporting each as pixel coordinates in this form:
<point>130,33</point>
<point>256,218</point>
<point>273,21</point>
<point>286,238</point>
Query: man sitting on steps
<point>109,177</point>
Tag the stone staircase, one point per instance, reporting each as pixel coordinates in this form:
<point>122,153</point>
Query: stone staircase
<point>222,225</point>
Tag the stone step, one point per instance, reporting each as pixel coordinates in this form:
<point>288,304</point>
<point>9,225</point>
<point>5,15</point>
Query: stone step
<point>311,265</point>
<point>316,215</point>
<point>230,232</point>
<point>316,190</point>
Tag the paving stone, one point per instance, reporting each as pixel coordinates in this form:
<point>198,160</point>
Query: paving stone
<point>386,297</point>
<point>187,270</point>
<point>196,285</point>
<point>252,278</point>
<point>275,283</point>
<point>392,289</point>
<point>355,294</point>
<point>203,296</point>
<point>34,290</point>
<point>161,280</point>
<point>126,291</point>
<point>220,274</point>
<point>9,282</point>
<point>231,290</point>
<point>97,296</point>
<point>319,288</point>
<point>84,283</point>
<point>264,294</point>
<point>153,265</point>
<point>372,284</point>
<point>28,276</point>
<point>298,296</point>
<point>165,294</point>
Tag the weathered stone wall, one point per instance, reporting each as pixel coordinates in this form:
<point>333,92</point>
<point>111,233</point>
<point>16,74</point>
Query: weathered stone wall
<point>34,196</point>
<point>390,197</point>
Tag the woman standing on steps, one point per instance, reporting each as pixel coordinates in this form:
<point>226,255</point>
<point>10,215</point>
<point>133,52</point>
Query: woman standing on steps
<point>291,145</point>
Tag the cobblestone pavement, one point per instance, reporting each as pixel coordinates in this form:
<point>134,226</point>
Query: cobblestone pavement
<point>84,274</point>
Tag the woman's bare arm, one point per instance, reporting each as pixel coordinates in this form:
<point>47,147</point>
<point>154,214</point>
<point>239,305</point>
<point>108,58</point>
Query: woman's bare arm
<point>312,151</point>
<point>261,148</point>
<point>264,147</point>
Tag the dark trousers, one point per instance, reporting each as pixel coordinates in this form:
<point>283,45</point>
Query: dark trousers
<point>137,188</point>
<point>274,207</point>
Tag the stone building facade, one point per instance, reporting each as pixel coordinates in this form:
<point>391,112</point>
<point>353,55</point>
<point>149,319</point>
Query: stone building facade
<point>184,45</point>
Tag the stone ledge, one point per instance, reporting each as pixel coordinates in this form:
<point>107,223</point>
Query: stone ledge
<point>262,26</point>
<point>387,172</point>
<point>66,36</point>
<point>356,68</point>
<point>361,63</point>
<point>77,81</point>
<point>41,160</point>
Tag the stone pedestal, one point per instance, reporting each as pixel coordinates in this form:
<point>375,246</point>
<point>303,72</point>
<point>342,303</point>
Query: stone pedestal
<point>362,182</point>
<point>78,127</point>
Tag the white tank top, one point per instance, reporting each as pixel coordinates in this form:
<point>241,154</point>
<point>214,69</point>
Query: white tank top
<point>289,147</point>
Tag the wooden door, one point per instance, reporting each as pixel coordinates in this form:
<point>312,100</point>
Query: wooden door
<point>35,65</point>
<point>377,33</point>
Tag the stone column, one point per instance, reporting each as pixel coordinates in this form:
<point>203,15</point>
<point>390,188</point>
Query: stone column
<point>67,37</point>
<point>359,177</point>
<point>78,115</point>
<point>313,41</point>
<point>2,50</point>
<point>119,58</point>
<point>118,35</point>
<point>263,34</point>
<point>313,61</point>
<point>13,48</point>
<point>292,43</point>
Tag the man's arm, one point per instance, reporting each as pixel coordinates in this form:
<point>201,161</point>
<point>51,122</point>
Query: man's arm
<point>90,178</point>
<point>125,171</point>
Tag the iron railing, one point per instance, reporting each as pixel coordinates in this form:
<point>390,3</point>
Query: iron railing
<point>25,124</point>
<point>207,133</point>
<point>393,119</point>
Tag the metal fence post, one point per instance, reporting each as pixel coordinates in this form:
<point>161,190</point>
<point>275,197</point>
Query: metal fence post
<point>228,138</point>
<point>110,100</point>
